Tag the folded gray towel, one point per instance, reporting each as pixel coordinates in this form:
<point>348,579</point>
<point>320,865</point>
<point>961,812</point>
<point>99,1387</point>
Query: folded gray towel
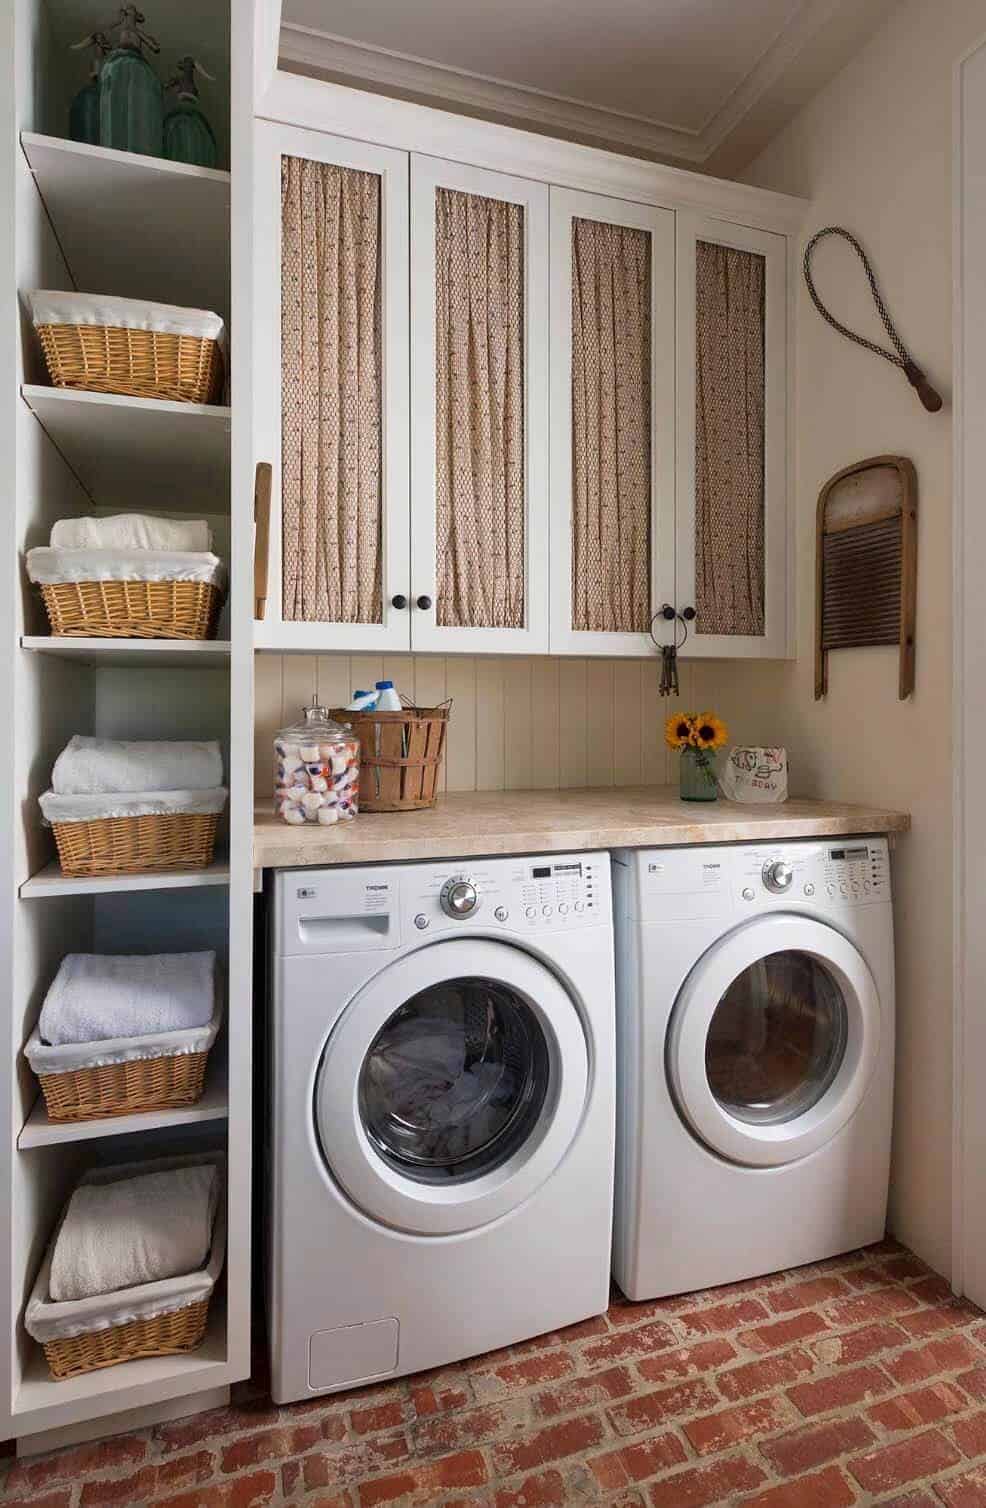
<point>95,996</point>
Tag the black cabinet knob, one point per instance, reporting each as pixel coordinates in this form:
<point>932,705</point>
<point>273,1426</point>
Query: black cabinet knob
<point>424,603</point>
<point>667,612</point>
<point>400,601</point>
<point>689,614</point>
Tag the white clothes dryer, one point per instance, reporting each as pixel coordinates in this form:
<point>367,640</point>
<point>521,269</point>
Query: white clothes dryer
<point>443,1060</point>
<point>755,1031</point>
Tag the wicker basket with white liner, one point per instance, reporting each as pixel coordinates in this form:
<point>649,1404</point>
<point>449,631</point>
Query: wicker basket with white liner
<point>129,594</point>
<point>87,1077</point>
<point>159,1318</point>
<point>103,344</point>
<point>124,807</point>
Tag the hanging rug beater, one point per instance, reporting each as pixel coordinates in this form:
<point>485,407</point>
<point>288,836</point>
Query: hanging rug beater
<point>899,356</point>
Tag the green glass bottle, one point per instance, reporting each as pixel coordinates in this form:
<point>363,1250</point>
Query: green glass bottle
<point>188,137</point>
<point>131,100</point>
<point>83,115</point>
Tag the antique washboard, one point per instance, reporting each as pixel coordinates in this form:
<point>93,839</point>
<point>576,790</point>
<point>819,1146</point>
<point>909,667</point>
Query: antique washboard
<point>867,563</point>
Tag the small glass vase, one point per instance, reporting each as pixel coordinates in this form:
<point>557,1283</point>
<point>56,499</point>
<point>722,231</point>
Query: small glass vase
<point>697,775</point>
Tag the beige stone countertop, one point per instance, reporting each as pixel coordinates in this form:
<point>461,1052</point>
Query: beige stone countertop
<point>468,823</point>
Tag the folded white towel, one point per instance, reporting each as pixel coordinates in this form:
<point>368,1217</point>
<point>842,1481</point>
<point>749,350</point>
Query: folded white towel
<point>139,1230</point>
<point>95,996</point>
<point>50,306</point>
<point>131,531</point>
<point>48,565</point>
<point>89,766</point>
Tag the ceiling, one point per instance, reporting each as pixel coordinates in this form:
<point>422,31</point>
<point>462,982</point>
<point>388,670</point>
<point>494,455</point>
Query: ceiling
<point>702,82</point>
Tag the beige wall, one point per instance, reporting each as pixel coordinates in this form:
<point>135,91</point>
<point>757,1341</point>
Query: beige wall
<point>873,152</point>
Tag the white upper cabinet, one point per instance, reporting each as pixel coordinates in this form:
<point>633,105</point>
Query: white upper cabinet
<point>612,422</point>
<point>479,410</point>
<point>731,514</point>
<point>331,389</point>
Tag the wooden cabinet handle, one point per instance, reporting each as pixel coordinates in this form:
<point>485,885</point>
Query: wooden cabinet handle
<point>261,540</point>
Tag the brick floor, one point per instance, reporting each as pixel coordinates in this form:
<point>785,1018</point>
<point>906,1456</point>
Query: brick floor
<point>855,1381</point>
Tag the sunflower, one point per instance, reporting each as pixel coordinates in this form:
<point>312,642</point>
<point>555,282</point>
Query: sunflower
<point>679,730</point>
<point>709,731</point>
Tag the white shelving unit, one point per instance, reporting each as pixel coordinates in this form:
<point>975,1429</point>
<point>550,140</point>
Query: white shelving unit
<point>175,455</point>
<point>105,221</point>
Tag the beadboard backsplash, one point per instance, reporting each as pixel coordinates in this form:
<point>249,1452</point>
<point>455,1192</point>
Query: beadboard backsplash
<point>517,722</point>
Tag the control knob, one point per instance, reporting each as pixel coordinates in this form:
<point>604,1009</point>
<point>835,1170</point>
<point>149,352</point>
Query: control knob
<point>459,896</point>
<point>778,876</point>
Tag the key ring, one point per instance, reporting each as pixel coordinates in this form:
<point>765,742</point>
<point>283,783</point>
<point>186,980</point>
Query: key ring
<point>671,615</point>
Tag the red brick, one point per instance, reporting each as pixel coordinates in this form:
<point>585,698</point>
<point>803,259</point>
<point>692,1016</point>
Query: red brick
<point>840,1390</point>
<point>965,1491</point>
<point>827,1489</point>
<point>731,1426</point>
<point>970,1434</point>
<point>815,1445</point>
<point>924,1322</point>
<point>905,1461</point>
<point>438,1399</point>
<point>947,1354</point>
<point>352,1463</point>
<point>516,1376</point>
<point>657,1408</point>
<point>201,1429</point>
<point>934,1290</point>
<point>545,1489</point>
<point>552,1443</point>
<point>270,1445</point>
<point>239,1492</point>
<point>974,1383</point>
<point>901,1269</point>
<point>148,1482</point>
<point>570,1336</point>
<point>627,1344</point>
<point>379,1416</point>
<point>858,1345</point>
<point>717,1483</point>
<point>61,1497</point>
<point>69,1465</point>
<point>867,1307</point>
<point>444,1433</point>
<point>720,1317</point>
<point>760,1376</point>
<point>806,1295</point>
<point>632,1312</point>
<point>637,1462</point>
<point>926,1405</point>
<point>685,1361</point>
<point>424,1481</point>
<point>581,1392</point>
<point>783,1332</point>
<point>290,1473</point>
<point>919,1499</point>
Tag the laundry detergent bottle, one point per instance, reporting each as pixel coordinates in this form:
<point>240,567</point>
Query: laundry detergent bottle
<point>188,137</point>
<point>131,100</point>
<point>83,114</point>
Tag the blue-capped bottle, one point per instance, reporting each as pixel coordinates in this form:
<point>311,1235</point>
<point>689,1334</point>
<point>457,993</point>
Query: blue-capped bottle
<point>83,114</point>
<point>188,137</point>
<point>131,100</point>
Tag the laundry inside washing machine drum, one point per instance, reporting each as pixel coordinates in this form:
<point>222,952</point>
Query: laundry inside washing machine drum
<point>455,1082</point>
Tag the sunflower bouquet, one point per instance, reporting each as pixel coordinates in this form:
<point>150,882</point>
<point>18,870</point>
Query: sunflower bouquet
<point>696,736</point>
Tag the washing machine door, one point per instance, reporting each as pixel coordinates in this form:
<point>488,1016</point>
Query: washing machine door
<point>774,1039</point>
<point>452,1086</point>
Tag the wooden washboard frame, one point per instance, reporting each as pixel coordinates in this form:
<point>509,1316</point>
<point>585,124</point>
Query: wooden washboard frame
<point>866,564</point>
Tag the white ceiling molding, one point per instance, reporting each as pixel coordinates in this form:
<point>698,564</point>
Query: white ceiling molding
<point>818,40</point>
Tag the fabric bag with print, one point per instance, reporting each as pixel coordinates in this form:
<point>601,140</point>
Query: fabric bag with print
<point>754,775</point>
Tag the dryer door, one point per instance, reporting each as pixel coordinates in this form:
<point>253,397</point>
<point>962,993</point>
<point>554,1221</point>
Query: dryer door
<point>774,1039</point>
<point>452,1086</point>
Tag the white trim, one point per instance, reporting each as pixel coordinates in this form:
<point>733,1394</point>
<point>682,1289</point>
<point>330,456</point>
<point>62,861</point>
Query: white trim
<point>566,205</point>
<point>773,643</point>
<point>272,142</point>
<point>351,112</point>
<point>428,174</point>
<point>328,53</point>
<point>969,663</point>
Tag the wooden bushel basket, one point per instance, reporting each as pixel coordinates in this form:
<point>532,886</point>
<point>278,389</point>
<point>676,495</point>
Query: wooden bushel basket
<point>401,756</point>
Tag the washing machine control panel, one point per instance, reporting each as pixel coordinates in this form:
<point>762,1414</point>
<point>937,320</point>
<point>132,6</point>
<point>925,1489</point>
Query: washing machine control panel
<point>851,871</point>
<point>520,895</point>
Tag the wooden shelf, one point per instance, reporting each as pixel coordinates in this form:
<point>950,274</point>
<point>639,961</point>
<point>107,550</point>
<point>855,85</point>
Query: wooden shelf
<point>136,226</point>
<point>130,452</point>
<point>50,881</point>
<point>182,654</point>
<point>39,1131</point>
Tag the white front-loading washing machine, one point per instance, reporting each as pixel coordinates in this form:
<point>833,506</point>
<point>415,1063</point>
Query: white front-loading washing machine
<point>443,1046</point>
<point>755,1031</point>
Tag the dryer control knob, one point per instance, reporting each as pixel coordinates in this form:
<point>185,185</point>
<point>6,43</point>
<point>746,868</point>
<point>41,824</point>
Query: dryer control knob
<point>459,896</point>
<point>778,876</point>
